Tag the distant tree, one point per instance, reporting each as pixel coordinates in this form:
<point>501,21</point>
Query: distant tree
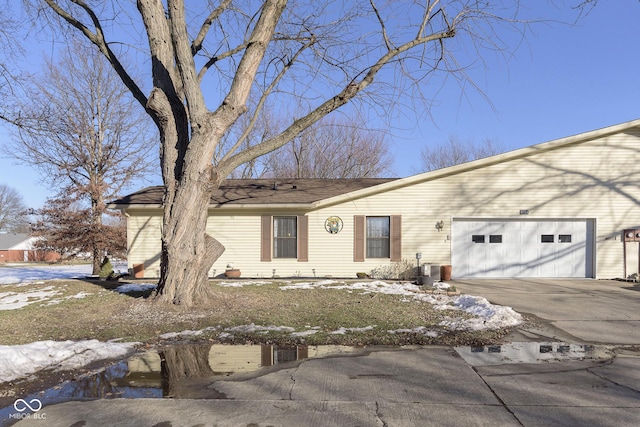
<point>80,128</point>
<point>13,212</point>
<point>329,149</point>
<point>456,151</point>
<point>70,230</point>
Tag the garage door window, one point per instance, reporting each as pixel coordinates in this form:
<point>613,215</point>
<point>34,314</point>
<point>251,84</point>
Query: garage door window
<point>495,238</point>
<point>564,238</point>
<point>477,238</point>
<point>547,238</point>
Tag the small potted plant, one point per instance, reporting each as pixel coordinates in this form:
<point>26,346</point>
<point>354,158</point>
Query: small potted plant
<point>231,272</point>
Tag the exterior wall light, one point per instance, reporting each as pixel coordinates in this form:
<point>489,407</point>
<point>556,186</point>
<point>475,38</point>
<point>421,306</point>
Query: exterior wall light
<point>439,225</point>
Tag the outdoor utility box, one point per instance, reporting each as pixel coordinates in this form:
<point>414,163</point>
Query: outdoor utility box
<point>429,274</point>
<point>433,271</point>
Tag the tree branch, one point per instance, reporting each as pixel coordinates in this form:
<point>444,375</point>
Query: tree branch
<point>197,42</point>
<point>332,104</point>
<point>196,107</point>
<point>97,39</point>
<point>264,96</point>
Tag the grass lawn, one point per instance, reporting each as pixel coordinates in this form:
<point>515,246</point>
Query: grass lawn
<point>77,310</point>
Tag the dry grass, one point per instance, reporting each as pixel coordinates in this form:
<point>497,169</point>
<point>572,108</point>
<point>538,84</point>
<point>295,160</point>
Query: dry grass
<point>104,314</point>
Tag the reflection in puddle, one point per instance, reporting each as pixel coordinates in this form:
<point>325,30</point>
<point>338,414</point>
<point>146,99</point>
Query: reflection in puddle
<point>530,352</point>
<point>181,371</point>
<point>188,371</point>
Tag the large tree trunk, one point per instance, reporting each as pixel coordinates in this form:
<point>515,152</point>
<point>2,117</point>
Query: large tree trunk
<point>187,251</point>
<point>190,134</point>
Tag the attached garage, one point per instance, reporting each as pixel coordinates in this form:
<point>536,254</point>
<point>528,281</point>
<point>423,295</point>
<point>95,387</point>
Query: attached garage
<point>506,247</point>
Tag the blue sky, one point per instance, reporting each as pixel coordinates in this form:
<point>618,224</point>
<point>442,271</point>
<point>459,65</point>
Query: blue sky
<point>562,80</point>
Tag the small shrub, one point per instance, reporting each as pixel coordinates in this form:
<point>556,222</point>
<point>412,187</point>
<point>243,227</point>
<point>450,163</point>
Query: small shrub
<point>402,270</point>
<point>106,269</point>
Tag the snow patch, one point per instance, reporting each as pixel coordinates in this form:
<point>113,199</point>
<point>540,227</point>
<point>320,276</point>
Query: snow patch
<point>241,284</point>
<point>252,328</point>
<point>135,287</point>
<point>13,300</point>
<point>30,273</point>
<point>489,316</point>
<point>304,333</point>
<point>19,361</point>
<point>342,331</point>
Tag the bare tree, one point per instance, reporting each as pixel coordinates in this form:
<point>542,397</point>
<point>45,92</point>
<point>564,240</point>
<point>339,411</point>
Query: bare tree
<point>80,129</point>
<point>13,213</point>
<point>10,50</point>
<point>456,151</point>
<point>328,149</point>
<point>208,58</point>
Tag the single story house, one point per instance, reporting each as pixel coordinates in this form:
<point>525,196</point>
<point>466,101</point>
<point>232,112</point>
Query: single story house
<point>564,208</point>
<point>20,247</point>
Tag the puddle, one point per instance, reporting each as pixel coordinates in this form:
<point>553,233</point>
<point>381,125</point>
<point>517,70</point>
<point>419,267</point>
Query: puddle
<point>187,371</point>
<point>181,371</point>
<point>531,352</point>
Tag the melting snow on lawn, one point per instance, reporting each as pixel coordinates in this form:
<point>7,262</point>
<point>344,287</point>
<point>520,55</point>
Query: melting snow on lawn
<point>489,316</point>
<point>19,361</point>
<point>23,360</point>
<point>29,273</point>
<point>14,300</point>
<point>135,287</point>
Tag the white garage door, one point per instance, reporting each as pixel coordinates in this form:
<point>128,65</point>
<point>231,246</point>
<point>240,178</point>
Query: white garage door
<point>516,248</point>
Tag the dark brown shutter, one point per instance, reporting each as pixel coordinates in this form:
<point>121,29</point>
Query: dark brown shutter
<point>358,238</point>
<point>265,238</point>
<point>303,238</point>
<point>396,238</point>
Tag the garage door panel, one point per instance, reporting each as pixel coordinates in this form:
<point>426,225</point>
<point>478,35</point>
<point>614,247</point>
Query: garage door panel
<point>513,248</point>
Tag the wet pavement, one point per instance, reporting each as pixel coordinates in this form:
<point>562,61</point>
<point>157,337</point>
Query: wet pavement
<point>528,383</point>
<point>541,375</point>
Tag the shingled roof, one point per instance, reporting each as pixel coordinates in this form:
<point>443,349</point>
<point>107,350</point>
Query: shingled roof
<point>265,191</point>
<point>11,240</point>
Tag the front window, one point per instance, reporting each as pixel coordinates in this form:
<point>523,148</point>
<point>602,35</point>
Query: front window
<point>285,237</point>
<point>378,232</point>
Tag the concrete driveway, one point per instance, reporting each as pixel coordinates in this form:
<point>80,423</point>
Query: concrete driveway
<point>578,310</point>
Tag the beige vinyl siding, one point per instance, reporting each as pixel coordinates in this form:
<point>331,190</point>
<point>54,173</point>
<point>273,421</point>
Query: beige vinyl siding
<point>143,240</point>
<point>597,179</point>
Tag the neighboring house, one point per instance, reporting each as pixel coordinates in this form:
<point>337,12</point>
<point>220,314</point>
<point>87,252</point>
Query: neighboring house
<point>556,209</point>
<point>20,248</point>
